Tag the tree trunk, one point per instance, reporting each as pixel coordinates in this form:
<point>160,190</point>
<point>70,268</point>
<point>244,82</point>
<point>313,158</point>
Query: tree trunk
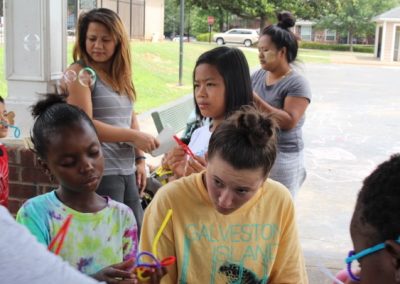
<point>263,21</point>
<point>189,25</point>
<point>221,19</point>
<point>351,39</point>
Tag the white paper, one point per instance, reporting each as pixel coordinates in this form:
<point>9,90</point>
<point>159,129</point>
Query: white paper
<point>167,142</point>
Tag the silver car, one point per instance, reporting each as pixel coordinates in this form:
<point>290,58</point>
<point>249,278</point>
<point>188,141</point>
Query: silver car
<point>245,36</point>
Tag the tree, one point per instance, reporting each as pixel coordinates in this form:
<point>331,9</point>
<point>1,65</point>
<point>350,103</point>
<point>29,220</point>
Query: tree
<point>171,18</point>
<point>244,9</point>
<point>355,16</point>
<point>195,18</point>
<point>315,9</point>
<point>265,10</point>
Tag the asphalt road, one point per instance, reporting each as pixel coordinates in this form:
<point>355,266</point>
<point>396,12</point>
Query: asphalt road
<point>352,124</point>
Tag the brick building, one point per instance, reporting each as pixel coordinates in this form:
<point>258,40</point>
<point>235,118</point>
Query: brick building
<point>306,30</point>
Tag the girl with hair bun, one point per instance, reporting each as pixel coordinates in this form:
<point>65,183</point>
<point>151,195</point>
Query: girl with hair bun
<point>281,90</point>
<point>230,223</point>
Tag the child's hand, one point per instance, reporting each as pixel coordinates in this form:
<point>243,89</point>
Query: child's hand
<point>155,275</point>
<point>344,277</point>
<point>195,165</point>
<point>117,273</point>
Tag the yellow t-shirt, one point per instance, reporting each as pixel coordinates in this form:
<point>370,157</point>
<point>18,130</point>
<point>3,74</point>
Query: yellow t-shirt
<point>258,243</point>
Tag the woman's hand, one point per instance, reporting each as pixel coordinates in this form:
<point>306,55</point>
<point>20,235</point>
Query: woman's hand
<point>256,99</point>
<point>144,141</point>
<point>141,176</point>
<point>195,165</point>
<point>117,273</point>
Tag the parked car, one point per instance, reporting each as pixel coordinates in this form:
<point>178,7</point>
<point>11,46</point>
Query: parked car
<point>185,38</point>
<point>245,36</point>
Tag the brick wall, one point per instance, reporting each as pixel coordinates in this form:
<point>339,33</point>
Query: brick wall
<point>26,178</point>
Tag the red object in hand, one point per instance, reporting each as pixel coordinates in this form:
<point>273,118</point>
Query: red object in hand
<point>184,146</point>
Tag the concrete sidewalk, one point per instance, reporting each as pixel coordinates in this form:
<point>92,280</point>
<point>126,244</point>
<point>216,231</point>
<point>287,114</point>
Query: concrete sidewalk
<point>352,125</point>
<point>358,58</point>
<point>342,57</point>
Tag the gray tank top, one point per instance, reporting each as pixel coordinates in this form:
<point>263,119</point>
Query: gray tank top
<point>293,85</point>
<point>114,109</point>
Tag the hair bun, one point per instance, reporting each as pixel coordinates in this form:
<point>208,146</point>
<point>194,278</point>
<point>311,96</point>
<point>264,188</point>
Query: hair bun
<point>258,127</point>
<point>286,20</point>
<point>48,101</point>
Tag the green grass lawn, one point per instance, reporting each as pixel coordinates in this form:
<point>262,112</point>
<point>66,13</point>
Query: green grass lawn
<point>315,56</point>
<point>156,69</point>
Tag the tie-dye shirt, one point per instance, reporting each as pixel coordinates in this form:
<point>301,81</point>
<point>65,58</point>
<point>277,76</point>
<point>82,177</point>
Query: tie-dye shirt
<point>93,240</point>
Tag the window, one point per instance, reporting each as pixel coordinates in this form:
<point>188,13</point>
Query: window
<point>330,35</point>
<point>88,4</point>
<point>305,32</point>
<point>233,32</point>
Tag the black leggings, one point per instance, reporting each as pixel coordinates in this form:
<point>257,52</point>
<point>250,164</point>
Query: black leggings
<point>123,189</point>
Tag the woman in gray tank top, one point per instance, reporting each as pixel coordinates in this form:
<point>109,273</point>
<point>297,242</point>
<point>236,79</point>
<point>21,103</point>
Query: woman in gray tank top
<point>281,90</point>
<point>104,89</point>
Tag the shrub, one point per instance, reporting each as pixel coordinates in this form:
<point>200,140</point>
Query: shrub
<point>204,37</point>
<point>364,48</point>
<point>336,47</point>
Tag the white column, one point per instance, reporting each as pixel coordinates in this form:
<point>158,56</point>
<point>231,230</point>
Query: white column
<point>154,20</point>
<point>36,48</point>
<point>383,46</point>
<point>376,39</point>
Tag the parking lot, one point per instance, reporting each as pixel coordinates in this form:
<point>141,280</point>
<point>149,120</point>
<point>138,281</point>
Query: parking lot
<point>352,125</point>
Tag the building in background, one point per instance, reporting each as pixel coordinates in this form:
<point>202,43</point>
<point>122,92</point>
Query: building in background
<point>387,35</point>
<point>307,31</point>
<point>143,19</point>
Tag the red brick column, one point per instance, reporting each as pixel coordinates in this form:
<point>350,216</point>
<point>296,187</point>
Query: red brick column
<point>26,178</point>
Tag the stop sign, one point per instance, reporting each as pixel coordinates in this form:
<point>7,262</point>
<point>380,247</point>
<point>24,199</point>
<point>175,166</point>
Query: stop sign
<point>210,20</point>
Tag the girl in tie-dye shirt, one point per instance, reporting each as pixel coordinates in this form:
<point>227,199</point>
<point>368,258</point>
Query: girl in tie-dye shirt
<point>94,240</point>
<point>102,232</point>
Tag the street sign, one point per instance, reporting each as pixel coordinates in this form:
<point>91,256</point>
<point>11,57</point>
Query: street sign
<point>210,20</point>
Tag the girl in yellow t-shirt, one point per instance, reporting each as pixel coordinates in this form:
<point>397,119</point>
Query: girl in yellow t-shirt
<point>230,223</point>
